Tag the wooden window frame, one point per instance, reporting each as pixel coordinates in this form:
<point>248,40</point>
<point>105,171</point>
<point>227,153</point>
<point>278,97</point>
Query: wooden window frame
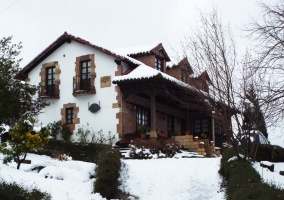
<point>199,126</point>
<point>69,115</point>
<point>142,116</point>
<point>159,64</point>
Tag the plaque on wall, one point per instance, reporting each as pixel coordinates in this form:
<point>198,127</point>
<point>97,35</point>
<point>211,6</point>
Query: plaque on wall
<point>105,81</point>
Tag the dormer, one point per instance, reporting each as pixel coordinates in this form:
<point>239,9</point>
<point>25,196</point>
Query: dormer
<point>181,71</point>
<point>153,55</point>
<point>201,82</point>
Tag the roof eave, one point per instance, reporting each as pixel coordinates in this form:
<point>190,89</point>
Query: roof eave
<point>24,72</point>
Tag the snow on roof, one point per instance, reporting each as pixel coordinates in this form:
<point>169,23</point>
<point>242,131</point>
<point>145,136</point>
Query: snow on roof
<point>144,71</point>
<point>170,64</point>
<point>137,49</point>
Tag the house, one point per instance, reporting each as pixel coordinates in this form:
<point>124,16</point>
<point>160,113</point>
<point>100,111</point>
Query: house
<point>117,91</point>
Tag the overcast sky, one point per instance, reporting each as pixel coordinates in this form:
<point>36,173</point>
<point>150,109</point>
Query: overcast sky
<point>113,24</point>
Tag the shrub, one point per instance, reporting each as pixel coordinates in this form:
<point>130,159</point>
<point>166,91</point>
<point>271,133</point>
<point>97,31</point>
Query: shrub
<point>11,191</point>
<point>107,172</point>
<point>83,152</point>
<point>87,135</point>
<point>23,140</point>
<point>272,153</point>
<point>54,128</point>
<point>244,182</point>
<point>65,133</point>
<point>57,128</point>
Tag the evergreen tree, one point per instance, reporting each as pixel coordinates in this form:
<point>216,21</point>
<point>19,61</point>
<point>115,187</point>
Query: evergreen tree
<point>254,117</point>
<point>16,97</point>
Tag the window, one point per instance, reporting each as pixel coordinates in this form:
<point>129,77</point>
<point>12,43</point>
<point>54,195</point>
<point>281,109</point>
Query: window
<point>183,77</point>
<point>142,117</point>
<point>85,75</point>
<point>50,81</point>
<point>218,128</point>
<point>84,80</point>
<point>170,124</point>
<point>200,126</point>
<point>69,115</point>
<point>158,64</point>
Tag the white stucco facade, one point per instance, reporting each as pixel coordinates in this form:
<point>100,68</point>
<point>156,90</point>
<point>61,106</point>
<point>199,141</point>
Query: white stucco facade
<point>105,119</point>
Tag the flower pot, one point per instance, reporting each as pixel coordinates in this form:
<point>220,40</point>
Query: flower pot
<point>143,135</point>
<point>161,135</point>
<point>186,132</point>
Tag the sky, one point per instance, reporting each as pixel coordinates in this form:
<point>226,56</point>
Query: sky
<point>114,24</point>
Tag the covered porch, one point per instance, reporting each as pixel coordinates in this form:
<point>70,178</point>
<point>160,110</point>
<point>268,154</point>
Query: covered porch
<point>165,106</point>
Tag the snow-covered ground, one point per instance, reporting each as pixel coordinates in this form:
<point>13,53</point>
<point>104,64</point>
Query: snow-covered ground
<point>271,177</point>
<point>168,178</point>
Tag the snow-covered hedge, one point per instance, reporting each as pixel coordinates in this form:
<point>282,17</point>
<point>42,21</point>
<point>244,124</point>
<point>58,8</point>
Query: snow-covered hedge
<point>242,181</point>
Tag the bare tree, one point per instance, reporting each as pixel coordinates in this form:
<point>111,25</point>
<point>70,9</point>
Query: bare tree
<point>268,35</point>
<point>211,47</point>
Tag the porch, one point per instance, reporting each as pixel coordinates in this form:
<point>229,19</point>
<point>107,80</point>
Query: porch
<point>167,107</point>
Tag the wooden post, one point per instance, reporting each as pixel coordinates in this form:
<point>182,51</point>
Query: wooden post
<point>187,121</point>
<point>153,133</point>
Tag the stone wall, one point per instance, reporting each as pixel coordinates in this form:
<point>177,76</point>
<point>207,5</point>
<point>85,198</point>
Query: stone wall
<point>188,142</point>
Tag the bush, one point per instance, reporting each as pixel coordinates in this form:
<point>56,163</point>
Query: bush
<point>83,152</point>
<point>54,128</point>
<point>12,191</point>
<point>107,173</point>
<point>57,128</point>
<point>88,135</point>
<point>23,140</point>
<point>266,152</point>
<point>65,133</point>
<point>244,182</point>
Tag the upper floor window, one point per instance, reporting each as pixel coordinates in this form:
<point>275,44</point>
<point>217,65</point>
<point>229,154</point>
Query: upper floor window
<point>85,75</point>
<point>158,64</point>
<point>83,82</point>
<point>183,77</point>
<point>49,85</point>
<point>69,115</point>
<point>50,81</point>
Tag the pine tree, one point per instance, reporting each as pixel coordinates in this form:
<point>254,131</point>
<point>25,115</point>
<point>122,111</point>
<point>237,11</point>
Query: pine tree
<point>16,97</point>
<point>257,118</point>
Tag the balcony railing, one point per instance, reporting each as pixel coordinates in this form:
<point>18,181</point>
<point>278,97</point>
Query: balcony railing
<point>83,85</point>
<point>48,91</point>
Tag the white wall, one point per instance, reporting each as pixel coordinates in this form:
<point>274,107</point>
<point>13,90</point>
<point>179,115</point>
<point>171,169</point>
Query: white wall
<point>105,118</point>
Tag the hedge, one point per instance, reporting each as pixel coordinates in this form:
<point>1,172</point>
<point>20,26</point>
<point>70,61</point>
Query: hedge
<point>244,182</point>
<point>265,152</point>
<point>12,191</point>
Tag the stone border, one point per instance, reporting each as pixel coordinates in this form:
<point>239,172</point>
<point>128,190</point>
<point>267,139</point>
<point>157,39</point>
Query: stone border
<point>76,120</point>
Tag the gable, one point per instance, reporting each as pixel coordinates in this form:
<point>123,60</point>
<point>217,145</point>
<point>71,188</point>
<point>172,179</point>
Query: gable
<point>67,38</point>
